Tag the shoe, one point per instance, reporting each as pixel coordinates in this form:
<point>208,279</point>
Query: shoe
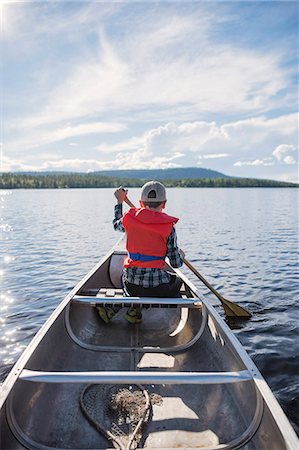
<point>133,315</point>
<point>105,314</point>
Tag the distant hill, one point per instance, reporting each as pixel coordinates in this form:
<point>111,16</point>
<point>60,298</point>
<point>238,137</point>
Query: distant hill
<point>163,174</point>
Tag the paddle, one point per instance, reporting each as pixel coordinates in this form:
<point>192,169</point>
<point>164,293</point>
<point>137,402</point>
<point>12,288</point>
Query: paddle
<point>231,309</point>
<point>128,202</point>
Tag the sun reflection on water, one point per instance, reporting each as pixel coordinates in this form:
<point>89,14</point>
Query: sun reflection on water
<point>7,258</point>
<point>6,298</point>
<point>5,227</point>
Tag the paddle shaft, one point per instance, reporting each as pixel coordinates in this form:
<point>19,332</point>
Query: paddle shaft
<point>192,268</point>
<point>128,202</point>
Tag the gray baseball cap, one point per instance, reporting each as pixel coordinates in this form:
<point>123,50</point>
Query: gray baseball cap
<point>157,190</point>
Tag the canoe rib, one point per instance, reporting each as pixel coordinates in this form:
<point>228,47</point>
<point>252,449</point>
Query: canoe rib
<point>196,304</point>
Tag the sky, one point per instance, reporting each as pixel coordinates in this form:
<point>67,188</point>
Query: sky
<point>94,85</point>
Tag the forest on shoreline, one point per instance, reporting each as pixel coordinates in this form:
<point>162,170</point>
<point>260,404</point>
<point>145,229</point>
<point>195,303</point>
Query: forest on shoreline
<point>94,180</point>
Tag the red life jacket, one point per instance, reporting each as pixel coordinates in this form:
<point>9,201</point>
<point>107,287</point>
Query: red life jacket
<point>147,232</point>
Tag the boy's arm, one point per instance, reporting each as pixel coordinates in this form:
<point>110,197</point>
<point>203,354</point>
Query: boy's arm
<point>117,221</point>
<point>120,194</point>
<point>173,252</point>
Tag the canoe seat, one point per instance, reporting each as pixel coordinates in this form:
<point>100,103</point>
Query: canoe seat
<point>112,292</point>
<point>108,292</point>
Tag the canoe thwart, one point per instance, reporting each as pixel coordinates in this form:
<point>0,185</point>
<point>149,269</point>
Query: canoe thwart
<point>122,377</point>
<point>140,301</point>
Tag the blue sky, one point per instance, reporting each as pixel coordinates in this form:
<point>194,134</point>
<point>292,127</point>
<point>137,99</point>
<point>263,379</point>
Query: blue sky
<point>112,85</point>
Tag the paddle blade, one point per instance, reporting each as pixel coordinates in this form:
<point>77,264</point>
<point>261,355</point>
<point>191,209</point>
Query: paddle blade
<point>234,310</point>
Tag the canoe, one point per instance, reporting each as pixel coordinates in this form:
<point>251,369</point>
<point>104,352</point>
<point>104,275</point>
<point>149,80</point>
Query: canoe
<point>179,379</point>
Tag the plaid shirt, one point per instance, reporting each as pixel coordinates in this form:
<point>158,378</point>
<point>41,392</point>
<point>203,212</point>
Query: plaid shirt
<point>148,277</point>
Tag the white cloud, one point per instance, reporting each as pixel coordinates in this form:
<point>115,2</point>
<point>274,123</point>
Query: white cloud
<point>78,165</point>
<point>257,129</point>
<point>147,72</point>
<point>202,139</point>
<point>32,22</point>
<point>136,161</point>
<point>86,129</point>
<point>121,161</point>
<point>256,162</point>
<point>242,144</point>
<point>172,72</point>
<point>215,155</point>
<point>132,144</point>
<point>43,136</point>
<point>282,153</point>
<point>289,160</point>
<point>15,165</point>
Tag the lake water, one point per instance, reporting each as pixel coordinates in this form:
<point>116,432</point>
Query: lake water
<point>244,241</point>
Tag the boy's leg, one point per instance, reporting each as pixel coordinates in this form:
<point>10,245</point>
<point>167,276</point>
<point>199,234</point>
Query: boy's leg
<point>175,286</point>
<point>133,315</point>
<point>106,313</point>
<point>171,289</point>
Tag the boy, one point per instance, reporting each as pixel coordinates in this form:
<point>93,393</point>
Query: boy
<point>151,237</point>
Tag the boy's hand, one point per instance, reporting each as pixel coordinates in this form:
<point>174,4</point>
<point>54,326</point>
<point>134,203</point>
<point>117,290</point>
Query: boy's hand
<point>182,253</point>
<point>120,194</point>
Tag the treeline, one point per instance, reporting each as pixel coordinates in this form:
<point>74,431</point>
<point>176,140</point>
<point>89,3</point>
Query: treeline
<point>75,180</point>
<point>62,181</point>
<point>231,182</point>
